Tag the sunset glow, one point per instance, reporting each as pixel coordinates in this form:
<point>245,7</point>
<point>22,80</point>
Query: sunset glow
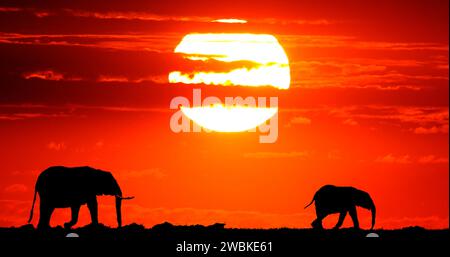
<point>222,118</point>
<point>361,93</point>
<point>271,65</point>
<point>230,21</point>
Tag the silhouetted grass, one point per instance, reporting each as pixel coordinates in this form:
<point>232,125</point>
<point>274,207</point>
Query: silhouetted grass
<point>216,232</point>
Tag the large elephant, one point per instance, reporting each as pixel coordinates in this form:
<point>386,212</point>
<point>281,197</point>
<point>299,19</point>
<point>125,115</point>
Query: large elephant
<point>332,199</point>
<point>63,187</point>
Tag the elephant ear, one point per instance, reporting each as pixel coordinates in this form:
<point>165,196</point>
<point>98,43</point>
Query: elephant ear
<point>364,200</point>
<point>101,181</point>
<point>108,185</point>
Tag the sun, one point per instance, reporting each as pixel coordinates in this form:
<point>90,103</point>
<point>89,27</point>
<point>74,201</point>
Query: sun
<point>221,118</point>
<point>270,67</point>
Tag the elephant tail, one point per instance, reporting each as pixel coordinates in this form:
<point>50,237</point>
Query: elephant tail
<point>32,206</point>
<point>314,198</point>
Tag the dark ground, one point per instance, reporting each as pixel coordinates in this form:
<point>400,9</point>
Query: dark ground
<point>163,238</point>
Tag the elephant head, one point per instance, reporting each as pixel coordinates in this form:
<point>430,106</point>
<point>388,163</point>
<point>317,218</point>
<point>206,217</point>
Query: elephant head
<point>363,199</point>
<point>106,184</point>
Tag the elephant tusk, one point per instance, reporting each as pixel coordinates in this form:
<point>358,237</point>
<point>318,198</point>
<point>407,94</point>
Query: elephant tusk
<point>124,198</point>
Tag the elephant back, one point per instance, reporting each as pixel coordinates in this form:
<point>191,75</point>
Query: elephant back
<point>63,184</point>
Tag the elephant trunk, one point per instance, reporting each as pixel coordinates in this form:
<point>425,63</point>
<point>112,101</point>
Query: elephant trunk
<point>119,211</point>
<point>118,194</point>
<point>118,205</point>
<point>374,212</point>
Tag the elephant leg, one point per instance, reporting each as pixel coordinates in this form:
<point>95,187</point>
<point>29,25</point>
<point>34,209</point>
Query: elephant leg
<point>45,213</point>
<point>93,209</point>
<point>354,216</point>
<point>75,210</point>
<point>317,223</point>
<point>341,219</point>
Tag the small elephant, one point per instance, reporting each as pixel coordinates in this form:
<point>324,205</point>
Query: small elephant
<point>332,199</point>
<point>63,187</point>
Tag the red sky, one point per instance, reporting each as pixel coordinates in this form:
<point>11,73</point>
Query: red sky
<point>85,83</point>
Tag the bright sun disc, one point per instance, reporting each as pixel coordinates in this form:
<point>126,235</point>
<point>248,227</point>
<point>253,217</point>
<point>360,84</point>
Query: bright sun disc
<point>271,65</point>
<point>222,118</point>
<point>266,64</point>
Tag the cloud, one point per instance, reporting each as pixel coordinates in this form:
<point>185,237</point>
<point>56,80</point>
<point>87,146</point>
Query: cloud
<point>388,81</point>
<point>396,74</point>
<point>46,75</point>
<point>56,76</point>
<point>432,130</point>
<point>263,155</point>
<point>145,173</point>
<point>24,116</point>
<point>56,146</point>
<point>296,21</point>
<point>342,67</point>
<point>142,16</point>
<point>406,159</point>
<point>299,120</point>
<point>103,78</point>
<point>434,117</point>
<point>147,16</point>
<point>390,158</point>
<point>404,118</point>
<point>16,112</point>
<point>16,188</point>
<point>49,75</point>
<point>153,17</point>
<point>161,42</point>
<point>124,79</point>
<point>369,73</point>
<point>350,122</point>
<point>120,108</point>
<point>338,41</point>
<point>10,9</point>
<point>431,159</point>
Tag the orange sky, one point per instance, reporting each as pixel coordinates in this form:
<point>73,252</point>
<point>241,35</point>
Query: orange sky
<point>86,84</point>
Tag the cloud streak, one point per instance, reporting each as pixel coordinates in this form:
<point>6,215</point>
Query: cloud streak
<point>413,116</point>
<point>407,159</point>
<point>16,188</point>
<point>390,158</point>
<point>442,129</point>
<point>49,75</point>
<point>264,155</point>
<point>432,159</point>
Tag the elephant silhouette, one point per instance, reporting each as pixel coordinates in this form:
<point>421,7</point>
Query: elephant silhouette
<point>63,187</point>
<point>333,199</point>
